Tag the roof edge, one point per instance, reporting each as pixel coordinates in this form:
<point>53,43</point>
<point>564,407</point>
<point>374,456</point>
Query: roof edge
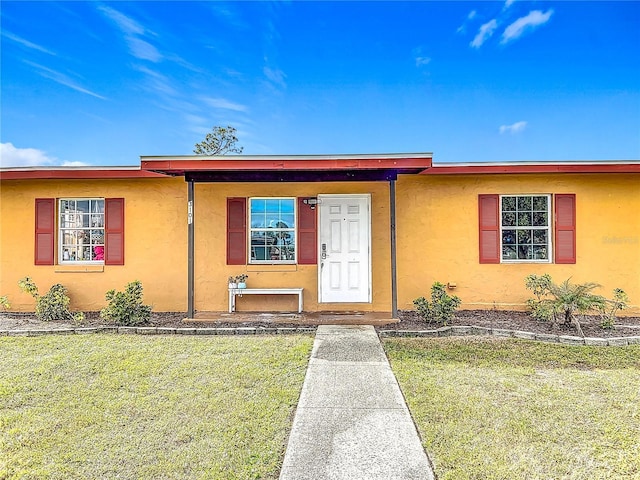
<point>594,166</point>
<point>69,173</point>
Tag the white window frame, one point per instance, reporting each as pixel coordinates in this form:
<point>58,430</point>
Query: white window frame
<point>292,231</point>
<point>548,228</point>
<point>68,252</point>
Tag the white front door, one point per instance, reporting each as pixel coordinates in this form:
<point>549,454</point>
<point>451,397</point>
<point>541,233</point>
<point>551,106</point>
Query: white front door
<point>344,256</point>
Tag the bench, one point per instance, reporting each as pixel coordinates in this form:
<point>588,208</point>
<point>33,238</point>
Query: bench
<point>263,291</point>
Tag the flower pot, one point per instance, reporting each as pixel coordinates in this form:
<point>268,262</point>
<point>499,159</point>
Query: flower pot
<point>242,285</point>
<point>233,286</point>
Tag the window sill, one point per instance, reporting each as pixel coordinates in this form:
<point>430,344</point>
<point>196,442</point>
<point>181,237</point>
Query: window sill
<point>79,268</point>
<point>272,267</point>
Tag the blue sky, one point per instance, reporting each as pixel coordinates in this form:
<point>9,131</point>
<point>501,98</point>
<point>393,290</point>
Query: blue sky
<point>101,83</point>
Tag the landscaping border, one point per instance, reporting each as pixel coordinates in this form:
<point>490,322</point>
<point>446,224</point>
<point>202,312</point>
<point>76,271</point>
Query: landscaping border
<point>157,331</point>
<point>453,331</point>
<point>466,330</point>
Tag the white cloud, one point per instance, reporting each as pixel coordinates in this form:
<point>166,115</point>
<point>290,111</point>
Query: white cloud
<point>143,50</point>
<point>26,43</point>
<point>62,79</point>
<point>420,61</point>
<point>486,30</point>
<point>276,75</point>
<point>124,23</point>
<point>514,128</point>
<point>11,156</point>
<point>74,164</point>
<point>534,19</point>
<point>463,28</point>
<point>225,104</point>
<point>508,3</point>
<point>132,30</point>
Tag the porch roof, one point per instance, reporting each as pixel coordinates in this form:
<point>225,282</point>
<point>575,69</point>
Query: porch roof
<point>288,168</point>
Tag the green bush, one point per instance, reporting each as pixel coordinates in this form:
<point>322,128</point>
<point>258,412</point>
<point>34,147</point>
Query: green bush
<point>126,308</point>
<point>442,307</point>
<point>54,305</point>
<point>562,302</point>
<point>4,303</point>
<point>610,308</point>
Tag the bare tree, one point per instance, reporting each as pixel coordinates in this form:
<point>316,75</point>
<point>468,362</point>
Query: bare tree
<point>219,141</point>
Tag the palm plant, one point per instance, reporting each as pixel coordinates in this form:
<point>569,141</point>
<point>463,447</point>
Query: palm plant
<point>564,301</point>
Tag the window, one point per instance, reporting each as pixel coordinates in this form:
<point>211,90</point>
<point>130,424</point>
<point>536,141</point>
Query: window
<point>272,230</point>
<point>521,228</point>
<point>300,217</point>
<point>81,230</point>
<point>525,228</point>
<point>87,230</point>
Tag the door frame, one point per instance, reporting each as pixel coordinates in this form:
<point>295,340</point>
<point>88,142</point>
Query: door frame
<point>367,197</point>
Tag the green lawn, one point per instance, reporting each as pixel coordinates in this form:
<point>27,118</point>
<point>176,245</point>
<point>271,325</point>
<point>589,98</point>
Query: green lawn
<point>147,407</point>
<point>509,409</point>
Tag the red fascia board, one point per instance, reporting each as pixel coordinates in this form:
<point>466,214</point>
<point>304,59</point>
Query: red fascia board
<point>181,166</point>
<point>551,168</point>
<point>76,174</point>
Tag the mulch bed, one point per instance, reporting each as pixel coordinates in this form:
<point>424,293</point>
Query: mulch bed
<point>409,320</point>
<point>522,321</point>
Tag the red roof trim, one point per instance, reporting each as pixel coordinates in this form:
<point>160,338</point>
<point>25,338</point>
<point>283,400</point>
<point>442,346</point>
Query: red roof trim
<point>534,168</point>
<point>179,166</point>
<point>46,174</point>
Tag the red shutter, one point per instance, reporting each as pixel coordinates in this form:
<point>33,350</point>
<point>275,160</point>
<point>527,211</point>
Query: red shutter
<point>565,228</point>
<point>236,231</point>
<point>114,231</point>
<point>45,231</point>
<point>488,207</point>
<point>307,234</point>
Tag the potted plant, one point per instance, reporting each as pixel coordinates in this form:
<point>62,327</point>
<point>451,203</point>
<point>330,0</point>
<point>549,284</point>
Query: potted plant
<point>242,280</point>
<point>233,284</point>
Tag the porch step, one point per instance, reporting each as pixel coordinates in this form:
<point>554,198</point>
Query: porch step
<point>305,318</point>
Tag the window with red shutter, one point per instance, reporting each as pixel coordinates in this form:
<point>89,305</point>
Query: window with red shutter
<point>518,228</point>
<point>114,231</point>
<point>45,231</point>
<point>489,227</point>
<point>236,231</point>
<point>565,228</point>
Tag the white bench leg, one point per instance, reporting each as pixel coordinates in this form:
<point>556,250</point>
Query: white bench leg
<point>232,301</point>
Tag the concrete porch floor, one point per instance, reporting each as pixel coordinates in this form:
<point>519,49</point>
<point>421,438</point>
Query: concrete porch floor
<point>304,318</point>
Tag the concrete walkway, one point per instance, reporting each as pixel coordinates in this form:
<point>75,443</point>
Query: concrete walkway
<point>352,421</point>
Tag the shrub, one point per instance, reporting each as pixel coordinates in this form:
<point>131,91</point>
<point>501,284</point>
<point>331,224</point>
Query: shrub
<point>441,308</point>
<point>126,308</point>
<point>4,303</point>
<point>564,301</point>
<point>610,307</point>
<point>54,305</point>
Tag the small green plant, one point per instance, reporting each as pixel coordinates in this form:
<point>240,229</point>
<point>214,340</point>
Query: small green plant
<point>126,308</point>
<point>54,305</point>
<point>4,303</point>
<point>609,310</point>
<point>565,301</point>
<point>442,307</point>
<point>27,285</point>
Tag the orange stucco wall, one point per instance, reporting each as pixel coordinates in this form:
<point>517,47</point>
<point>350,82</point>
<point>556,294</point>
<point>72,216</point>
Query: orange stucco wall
<point>155,242</point>
<point>212,271</point>
<point>437,234</point>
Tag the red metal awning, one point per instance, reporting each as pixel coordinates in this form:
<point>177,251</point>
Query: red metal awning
<point>291,168</point>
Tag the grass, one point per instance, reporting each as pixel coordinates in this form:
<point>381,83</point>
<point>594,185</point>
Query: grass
<point>120,406</point>
<point>507,409</point>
